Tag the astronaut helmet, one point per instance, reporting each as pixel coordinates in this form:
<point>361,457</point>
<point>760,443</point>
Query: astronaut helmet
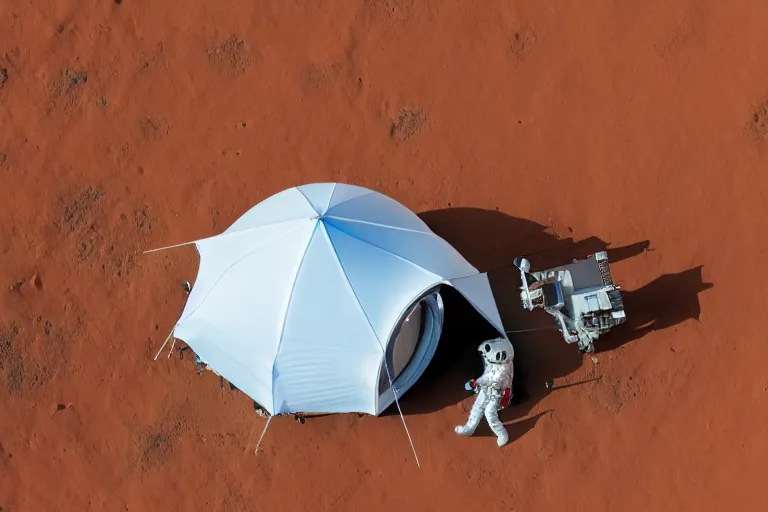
<point>497,351</point>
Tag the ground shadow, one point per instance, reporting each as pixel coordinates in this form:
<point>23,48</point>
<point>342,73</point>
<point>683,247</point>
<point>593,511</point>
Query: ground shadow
<point>664,302</point>
<point>490,240</point>
<point>516,429</point>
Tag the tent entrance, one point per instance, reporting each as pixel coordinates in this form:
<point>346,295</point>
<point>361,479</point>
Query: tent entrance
<point>404,344</point>
<point>412,346</point>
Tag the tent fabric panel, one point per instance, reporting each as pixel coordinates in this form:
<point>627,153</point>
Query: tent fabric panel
<point>243,314</point>
<point>325,318</point>
<point>329,378</point>
<point>383,283</point>
<point>219,254</point>
<point>378,209</point>
<point>287,205</point>
<point>425,250</point>
<point>477,290</point>
<point>246,368</point>
<point>344,193</point>
<point>319,195</point>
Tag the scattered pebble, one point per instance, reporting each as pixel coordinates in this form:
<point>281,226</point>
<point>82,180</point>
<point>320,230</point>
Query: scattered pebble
<point>36,281</point>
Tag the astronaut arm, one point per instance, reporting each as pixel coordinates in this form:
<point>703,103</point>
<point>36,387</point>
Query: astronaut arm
<point>475,384</point>
<point>483,380</point>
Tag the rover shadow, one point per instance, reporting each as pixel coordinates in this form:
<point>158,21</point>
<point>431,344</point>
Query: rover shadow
<point>665,302</point>
<point>490,241</point>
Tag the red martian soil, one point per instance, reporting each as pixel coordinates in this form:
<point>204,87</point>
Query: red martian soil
<point>513,127</point>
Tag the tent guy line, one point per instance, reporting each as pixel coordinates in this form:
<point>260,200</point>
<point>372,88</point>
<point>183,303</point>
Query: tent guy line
<point>220,235</point>
<point>164,344</point>
<point>530,330</point>
<point>266,426</point>
<point>399,410</point>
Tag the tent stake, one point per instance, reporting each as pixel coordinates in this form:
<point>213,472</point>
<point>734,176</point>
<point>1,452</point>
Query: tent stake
<point>164,344</point>
<point>256,451</point>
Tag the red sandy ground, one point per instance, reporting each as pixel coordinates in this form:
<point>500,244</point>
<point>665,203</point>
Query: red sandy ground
<point>136,124</point>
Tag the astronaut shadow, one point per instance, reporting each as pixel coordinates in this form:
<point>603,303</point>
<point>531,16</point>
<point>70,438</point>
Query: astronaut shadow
<point>516,428</point>
<point>490,241</point>
<point>665,302</point>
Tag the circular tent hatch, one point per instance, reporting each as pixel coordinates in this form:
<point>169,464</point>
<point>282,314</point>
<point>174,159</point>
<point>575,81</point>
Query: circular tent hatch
<point>412,346</point>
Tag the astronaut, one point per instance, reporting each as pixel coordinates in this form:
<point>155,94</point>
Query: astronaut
<point>493,389</point>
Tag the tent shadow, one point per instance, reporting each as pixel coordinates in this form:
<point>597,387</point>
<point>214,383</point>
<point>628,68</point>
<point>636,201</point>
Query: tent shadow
<point>490,240</point>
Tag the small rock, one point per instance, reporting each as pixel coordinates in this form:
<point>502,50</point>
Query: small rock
<point>61,407</point>
<point>3,76</point>
<point>36,281</point>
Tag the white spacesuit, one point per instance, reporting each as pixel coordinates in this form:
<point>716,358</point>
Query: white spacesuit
<point>493,389</point>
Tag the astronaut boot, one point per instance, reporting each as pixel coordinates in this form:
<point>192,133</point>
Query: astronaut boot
<point>475,415</point>
<point>492,417</point>
<point>464,430</point>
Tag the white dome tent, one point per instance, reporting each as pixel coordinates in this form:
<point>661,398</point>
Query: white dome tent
<point>322,296</point>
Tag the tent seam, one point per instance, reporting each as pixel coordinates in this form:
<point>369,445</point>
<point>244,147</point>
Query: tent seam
<point>352,288</point>
<point>370,223</point>
<point>232,265</point>
<point>429,233</point>
<point>330,198</point>
<point>370,324</point>
<point>384,250</point>
<point>369,193</point>
<point>287,309</point>
<point>308,201</point>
